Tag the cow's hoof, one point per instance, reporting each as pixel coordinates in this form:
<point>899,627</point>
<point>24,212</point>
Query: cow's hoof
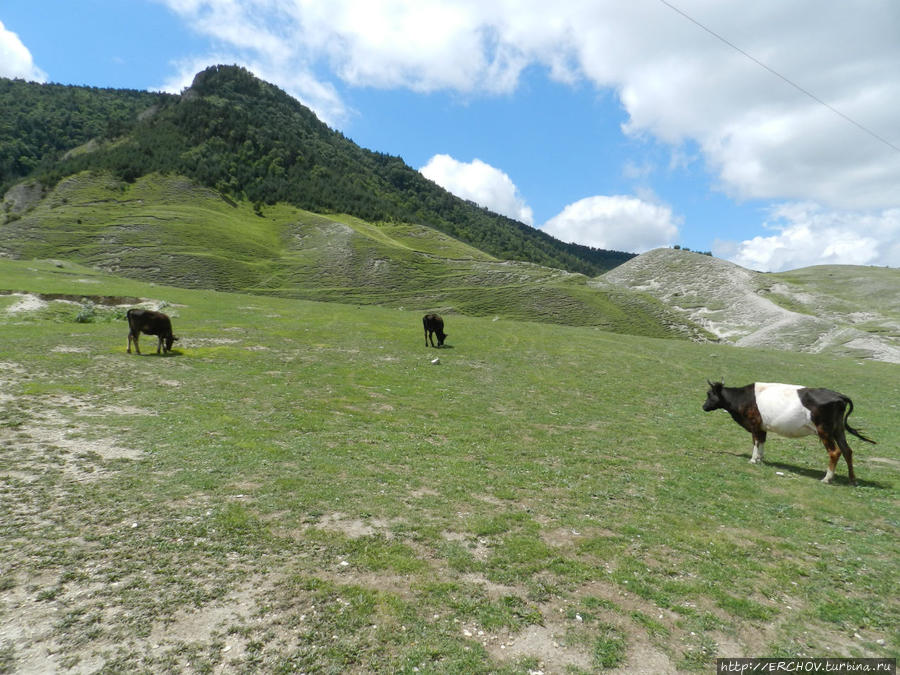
<point>826,480</point>
<point>754,460</point>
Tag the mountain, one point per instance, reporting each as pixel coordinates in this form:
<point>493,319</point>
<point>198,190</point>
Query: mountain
<point>837,309</point>
<point>250,141</point>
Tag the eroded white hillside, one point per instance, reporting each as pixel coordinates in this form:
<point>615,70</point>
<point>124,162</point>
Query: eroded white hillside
<point>734,304</point>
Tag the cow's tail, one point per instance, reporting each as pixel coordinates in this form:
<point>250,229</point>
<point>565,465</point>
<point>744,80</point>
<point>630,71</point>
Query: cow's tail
<point>855,432</point>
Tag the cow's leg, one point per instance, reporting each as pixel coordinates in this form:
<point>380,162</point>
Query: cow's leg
<point>757,456</point>
<point>833,457</point>
<point>834,453</point>
<point>759,442</point>
<point>836,445</point>
<point>841,439</point>
<point>137,347</point>
<point>159,344</point>
<point>128,349</point>
<point>848,456</point>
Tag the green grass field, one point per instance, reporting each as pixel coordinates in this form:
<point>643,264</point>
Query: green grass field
<point>299,489</point>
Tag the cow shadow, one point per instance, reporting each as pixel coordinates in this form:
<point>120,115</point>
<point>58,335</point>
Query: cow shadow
<point>169,354</point>
<point>818,474</point>
<point>808,472</point>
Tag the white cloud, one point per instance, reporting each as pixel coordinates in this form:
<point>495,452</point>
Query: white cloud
<point>807,234</point>
<point>618,223</point>
<point>423,45</point>
<point>16,60</point>
<point>758,134</point>
<point>481,183</point>
<point>764,138</point>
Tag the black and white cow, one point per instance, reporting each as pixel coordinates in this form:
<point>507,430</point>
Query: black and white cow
<point>151,323</point>
<point>434,325</point>
<point>789,410</point>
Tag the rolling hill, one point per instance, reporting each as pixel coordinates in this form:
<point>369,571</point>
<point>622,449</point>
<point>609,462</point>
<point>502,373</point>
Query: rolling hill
<point>170,230</point>
<point>843,310</point>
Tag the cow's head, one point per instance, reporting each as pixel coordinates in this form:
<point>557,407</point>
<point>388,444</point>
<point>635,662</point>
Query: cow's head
<point>714,396</point>
<point>168,341</point>
<point>441,336</point>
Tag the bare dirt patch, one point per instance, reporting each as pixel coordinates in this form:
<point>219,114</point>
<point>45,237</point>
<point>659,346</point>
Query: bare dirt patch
<point>354,528</point>
<point>68,349</point>
<point>546,643</point>
<point>51,454</point>
<point>422,493</point>
<point>35,301</point>
<point>48,435</point>
<point>27,302</point>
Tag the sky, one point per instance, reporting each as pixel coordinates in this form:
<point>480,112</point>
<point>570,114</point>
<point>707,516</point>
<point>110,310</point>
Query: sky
<point>765,132</point>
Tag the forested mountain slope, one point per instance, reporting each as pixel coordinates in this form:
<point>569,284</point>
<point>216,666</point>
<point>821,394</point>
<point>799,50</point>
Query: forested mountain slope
<point>250,141</point>
<point>41,122</point>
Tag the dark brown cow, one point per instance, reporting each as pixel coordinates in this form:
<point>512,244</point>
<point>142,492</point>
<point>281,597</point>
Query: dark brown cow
<point>434,325</point>
<point>789,410</point>
<point>151,323</point>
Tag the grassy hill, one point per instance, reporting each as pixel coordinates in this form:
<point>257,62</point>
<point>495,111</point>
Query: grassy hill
<point>171,230</point>
<point>249,140</point>
<point>298,488</point>
<point>841,309</point>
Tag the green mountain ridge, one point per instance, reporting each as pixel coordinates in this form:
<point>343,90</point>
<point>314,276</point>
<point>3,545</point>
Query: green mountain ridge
<point>249,140</point>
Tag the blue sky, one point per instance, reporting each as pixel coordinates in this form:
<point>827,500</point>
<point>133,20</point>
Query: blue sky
<point>618,125</point>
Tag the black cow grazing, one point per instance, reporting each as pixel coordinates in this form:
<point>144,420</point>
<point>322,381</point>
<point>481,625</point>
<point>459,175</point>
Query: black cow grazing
<point>789,410</point>
<point>151,323</point>
<point>434,325</point>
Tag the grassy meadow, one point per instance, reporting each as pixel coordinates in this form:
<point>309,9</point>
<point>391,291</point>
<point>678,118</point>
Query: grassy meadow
<point>299,488</point>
